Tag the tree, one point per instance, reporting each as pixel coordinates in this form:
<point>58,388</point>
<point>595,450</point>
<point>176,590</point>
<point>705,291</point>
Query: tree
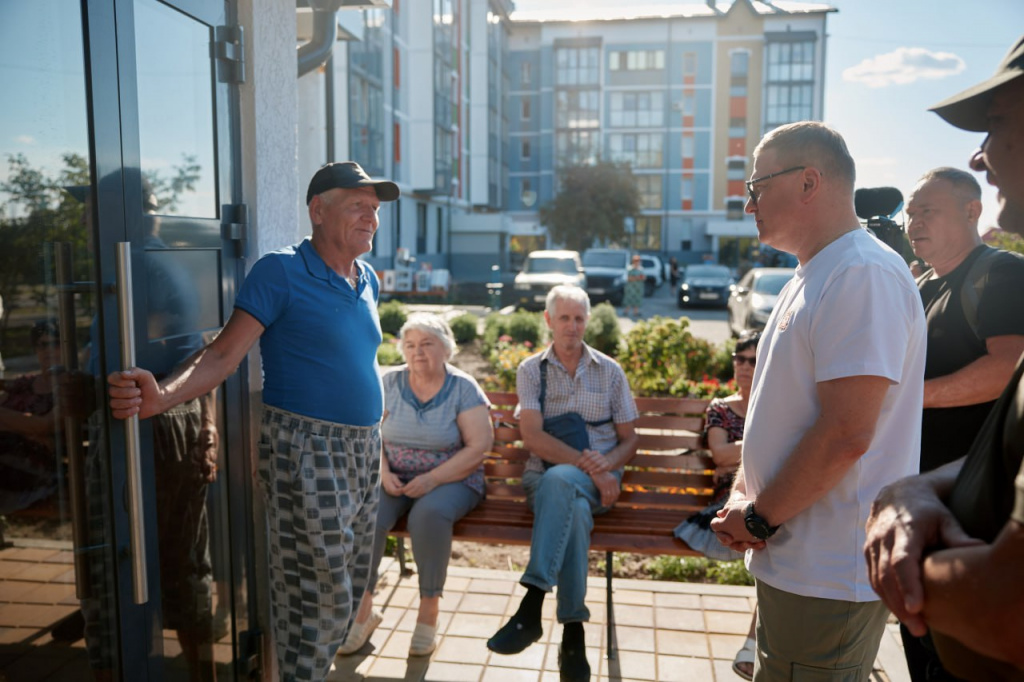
<point>592,203</point>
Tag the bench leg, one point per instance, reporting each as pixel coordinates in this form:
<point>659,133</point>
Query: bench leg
<point>403,570</point>
<point>610,610</point>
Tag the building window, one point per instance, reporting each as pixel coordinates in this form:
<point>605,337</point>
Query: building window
<point>737,127</point>
<point>789,86</point>
<point>686,189</point>
<point>524,109</point>
<point>577,66</point>
<point>649,188</point>
<point>637,110</point>
<point>440,230</point>
<point>421,228</point>
<point>689,104</point>
<point>640,150</point>
<point>636,60</point>
<point>736,169</point>
<point>688,146</point>
<point>577,146</point>
<point>524,150</point>
<point>577,109</point>
<point>525,73</point>
<point>648,233</point>
<point>689,63</point>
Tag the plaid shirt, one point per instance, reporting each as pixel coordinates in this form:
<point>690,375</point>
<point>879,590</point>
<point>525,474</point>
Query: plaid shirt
<point>597,392</point>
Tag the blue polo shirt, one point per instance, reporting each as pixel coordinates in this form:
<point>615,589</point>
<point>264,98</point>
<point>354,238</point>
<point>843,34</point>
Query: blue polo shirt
<point>320,344</point>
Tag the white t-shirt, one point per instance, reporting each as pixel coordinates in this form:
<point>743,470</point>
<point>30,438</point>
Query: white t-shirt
<point>852,310</point>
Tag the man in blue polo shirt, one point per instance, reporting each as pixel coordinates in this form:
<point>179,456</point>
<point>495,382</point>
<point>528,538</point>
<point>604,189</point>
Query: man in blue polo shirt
<point>313,307</point>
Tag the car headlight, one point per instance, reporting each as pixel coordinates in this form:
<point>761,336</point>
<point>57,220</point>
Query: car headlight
<point>621,279</point>
<point>685,287</point>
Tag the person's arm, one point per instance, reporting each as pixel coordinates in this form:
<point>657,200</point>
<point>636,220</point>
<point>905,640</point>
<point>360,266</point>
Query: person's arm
<point>724,454</point>
<point>135,391</point>
<point>975,595</point>
<point>26,424</point>
<point>982,380</point>
<point>599,466</point>
<point>908,517</point>
<point>842,432</point>
<point>477,439</point>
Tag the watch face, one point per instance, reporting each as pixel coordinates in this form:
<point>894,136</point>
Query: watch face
<point>757,527</point>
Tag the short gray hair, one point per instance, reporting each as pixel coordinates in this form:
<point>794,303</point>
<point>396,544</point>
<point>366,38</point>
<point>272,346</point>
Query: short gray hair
<point>964,184</point>
<point>566,292</point>
<point>430,323</point>
<point>814,144</point>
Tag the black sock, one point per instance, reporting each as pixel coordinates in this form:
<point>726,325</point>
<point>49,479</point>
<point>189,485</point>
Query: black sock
<point>530,608</point>
<point>572,634</point>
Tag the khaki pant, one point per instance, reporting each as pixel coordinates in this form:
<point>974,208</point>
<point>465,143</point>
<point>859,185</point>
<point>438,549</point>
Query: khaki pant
<point>809,639</point>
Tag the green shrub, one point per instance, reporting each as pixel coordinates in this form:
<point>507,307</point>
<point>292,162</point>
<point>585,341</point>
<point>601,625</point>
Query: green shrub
<point>691,569</point>
<point>505,359</point>
<point>730,573</point>
<point>721,361</point>
<point>661,352</point>
<point>464,328</point>
<point>520,326</point>
<point>603,332</point>
<point>388,352</point>
<point>392,316</point>
<point>703,389</point>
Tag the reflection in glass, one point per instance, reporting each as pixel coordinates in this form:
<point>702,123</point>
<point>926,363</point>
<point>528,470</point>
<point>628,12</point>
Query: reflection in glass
<point>176,118</point>
<point>54,475</point>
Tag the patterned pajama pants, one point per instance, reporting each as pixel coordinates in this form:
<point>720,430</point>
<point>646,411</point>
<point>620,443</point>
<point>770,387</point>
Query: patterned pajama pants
<point>322,483</point>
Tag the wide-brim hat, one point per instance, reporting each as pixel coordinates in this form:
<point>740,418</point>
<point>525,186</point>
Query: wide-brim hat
<point>969,109</point>
<point>348,175</point>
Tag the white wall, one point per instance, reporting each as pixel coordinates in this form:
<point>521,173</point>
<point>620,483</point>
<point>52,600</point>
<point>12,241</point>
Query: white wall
<point>420,89</point>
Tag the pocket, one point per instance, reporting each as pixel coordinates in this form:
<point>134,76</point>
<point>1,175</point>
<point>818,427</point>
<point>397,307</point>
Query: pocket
<point>807,673</point>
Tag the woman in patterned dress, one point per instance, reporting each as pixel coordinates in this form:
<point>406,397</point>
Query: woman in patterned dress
<point>436,432</point>
<point>634,293</point>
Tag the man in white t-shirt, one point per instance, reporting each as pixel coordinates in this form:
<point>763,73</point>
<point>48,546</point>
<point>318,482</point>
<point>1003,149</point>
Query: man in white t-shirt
<point>835,412</point>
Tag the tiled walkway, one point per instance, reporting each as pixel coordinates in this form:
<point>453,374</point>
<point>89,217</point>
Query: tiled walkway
<point>665,631</point>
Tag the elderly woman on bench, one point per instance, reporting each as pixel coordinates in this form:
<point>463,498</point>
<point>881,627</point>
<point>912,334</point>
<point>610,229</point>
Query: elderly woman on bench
<point>436,432</point>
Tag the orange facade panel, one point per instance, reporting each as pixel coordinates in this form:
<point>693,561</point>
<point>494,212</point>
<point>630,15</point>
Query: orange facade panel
<point>737,107</point>
<point>687,162</point>
<point>736,188</point>
<point>687,204</point>
<point>737,146</point>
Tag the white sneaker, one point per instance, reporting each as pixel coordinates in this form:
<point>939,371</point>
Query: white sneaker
<point>360,634</point>
<point>424,640</point>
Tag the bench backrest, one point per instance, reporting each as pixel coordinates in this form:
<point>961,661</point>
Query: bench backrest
<point>670,471</point>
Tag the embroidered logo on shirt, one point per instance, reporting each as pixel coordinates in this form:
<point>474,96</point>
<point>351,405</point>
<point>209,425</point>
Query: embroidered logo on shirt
<point>784,322</point>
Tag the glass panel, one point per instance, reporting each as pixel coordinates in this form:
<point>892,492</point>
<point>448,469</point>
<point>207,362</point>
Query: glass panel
<point>56,549</point>
<point>175,91</point>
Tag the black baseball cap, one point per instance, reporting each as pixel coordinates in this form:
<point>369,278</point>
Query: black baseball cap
<point>348,175</point>
<point>968,110</point>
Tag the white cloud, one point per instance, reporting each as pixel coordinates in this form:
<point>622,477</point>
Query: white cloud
<point>902,66</point>
<point>25,139</point>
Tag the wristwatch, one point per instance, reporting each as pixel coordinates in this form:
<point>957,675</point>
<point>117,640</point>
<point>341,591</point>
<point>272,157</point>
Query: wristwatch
<point>756,525</point>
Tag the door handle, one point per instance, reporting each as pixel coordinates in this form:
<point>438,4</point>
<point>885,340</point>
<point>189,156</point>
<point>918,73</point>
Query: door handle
<point>72,423</point>
<point>136,522</point>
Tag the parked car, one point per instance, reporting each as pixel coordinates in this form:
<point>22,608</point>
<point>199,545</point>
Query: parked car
<point>655,272</point>
<point>607,271</point>
<point>753,298</point>
<point>543,270</point>
<point>705,284</point>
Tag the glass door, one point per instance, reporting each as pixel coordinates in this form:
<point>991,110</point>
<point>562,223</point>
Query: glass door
<point>117,131</point>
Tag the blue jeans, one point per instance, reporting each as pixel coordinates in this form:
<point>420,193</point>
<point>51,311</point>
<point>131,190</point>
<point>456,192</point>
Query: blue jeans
<point>564,501</point>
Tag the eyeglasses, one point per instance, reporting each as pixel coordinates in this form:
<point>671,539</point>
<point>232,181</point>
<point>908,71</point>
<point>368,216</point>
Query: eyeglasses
<point>750,183</point>
<point>743,359</point>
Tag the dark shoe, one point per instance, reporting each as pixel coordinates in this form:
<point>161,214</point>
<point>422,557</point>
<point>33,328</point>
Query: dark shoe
<point>514,636</point>
<point>572,662</point>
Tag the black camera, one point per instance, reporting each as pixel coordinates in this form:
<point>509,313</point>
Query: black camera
<point>879,208</point>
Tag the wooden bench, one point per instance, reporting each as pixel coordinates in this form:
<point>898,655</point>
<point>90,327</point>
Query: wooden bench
<point>669,478</point>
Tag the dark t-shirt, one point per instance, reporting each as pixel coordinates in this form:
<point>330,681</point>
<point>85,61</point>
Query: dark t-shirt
<point>947,433</point>
<point>983,499</point>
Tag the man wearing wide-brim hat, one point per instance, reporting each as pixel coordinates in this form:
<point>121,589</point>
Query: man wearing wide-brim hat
<point>313,308</point>
<point>945,549</point>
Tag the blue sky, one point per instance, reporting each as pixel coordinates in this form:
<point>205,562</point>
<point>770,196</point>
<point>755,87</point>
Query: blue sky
<point>887,61</point>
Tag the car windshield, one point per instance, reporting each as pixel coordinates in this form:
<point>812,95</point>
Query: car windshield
<point>707,271</point>
<point>605,259</point>
<point>565,266</point>
<point>771,284</point>
<point>648,262</point>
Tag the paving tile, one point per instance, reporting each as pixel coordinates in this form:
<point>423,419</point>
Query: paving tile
<point>632,597</point>
<point>49,593</point>
<point>462,650</point>
<point>15,590</point>
<point>677,601</point>
<point>454,672</point>
<point>634,639</point>
<point>720,603</point>
<point>683,668</point>
<point>34,554</point>
<point>725,646</point>
<point>641,616</point>
<point>484,603</point>
<point>679,619</point>
<point>679,643</point>
<point>727,622</point>
<point>475,625</point>
<point>27,615</point>
<point>636,664</point>
<point>495,674</point>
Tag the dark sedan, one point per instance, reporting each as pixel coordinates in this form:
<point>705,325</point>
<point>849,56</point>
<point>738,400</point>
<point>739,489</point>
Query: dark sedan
<point>705,285</point>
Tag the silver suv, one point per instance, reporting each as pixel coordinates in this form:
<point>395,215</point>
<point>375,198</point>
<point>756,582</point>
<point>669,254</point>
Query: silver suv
<point>544,270</point>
